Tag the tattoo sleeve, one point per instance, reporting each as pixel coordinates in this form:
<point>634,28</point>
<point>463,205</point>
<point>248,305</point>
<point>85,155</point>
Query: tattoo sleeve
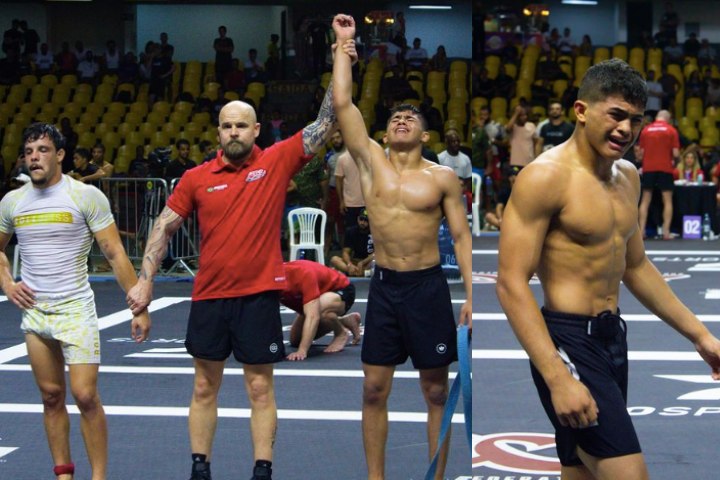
<point>165,227</point>
<point>318,133</point>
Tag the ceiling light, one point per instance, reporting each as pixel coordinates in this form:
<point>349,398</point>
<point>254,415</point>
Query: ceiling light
<point>430,7</point>
<point>579,2</point>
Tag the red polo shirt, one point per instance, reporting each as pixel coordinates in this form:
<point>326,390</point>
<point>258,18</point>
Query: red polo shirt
<point>657,140</point>
<point>239,211</point>
<point>307,280</point>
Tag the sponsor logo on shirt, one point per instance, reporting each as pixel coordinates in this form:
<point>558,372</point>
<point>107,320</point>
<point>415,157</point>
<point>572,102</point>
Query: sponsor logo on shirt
<point>279,279</point>
<point>217,188</point>
<point>255,175</point>
<point>42,219</point>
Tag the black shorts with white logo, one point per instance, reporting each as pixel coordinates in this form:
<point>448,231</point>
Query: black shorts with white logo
<point>594,350</point>
<point>347,295</point>
<point>249,327</point>
<point>409,314</point>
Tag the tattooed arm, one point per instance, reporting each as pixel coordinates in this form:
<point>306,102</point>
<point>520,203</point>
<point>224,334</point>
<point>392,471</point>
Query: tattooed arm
<point>318,133</point>
<point>165,227</point>
<point>109,241</point>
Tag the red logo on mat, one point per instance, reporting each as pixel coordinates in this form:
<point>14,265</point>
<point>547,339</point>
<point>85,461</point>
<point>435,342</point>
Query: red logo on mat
<point>516,452</point>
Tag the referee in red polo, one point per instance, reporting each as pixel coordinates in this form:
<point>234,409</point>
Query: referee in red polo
<point>660,144</point>
<point>239,198</point>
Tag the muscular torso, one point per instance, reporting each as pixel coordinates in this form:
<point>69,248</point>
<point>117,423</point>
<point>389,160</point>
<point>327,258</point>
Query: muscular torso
<point>404,207</point>
<point>583,256</point>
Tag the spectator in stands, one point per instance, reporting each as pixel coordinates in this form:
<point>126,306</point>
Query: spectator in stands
<point>416,58</point>
<point>432,115</point>
<point>84,170</point>
<point>66,60</point>
<point>660,146</point>
<point>671,86</point>
<point>551,40</point>
<point>690,166</point>
<point>44,60</point>
<point>25,66</point>
<point>439,62</point>
<point>669,21</point>
<point>694,86</point>
<point>655,95</point>
<point>71,141</point>
<point>549,69</point>
<point>332,206</point>
<point>224,48</point>
<point>30,38</point>
<point>235,79</point>
<point>128,69</point>
<point>161,72</point>
<point>541,92</point>
<point>139,166</point>
<point>321,297</point>
<point>556,131</point>
<point>646,40</point>
<point>691,47</point>
<point>88,69</point>
<point>309,187</point>
<point>10,68</point>
<point>178,166</point>
<point>712,95</point>
<point>523,138</point>
<point>673,52</point>
<point>164,43</point>
<point>318,37</point>
<point>98,158</point>
<point>350,196</point>
<point>358,248</point>
<point>484,86</point>
<point>566,44</point>
<point>207,149</point>
<point>452,157</point>
<point>481,146</point>
<point>586,46</point>
<point>80,51</point>
<point>504,84</point>
<point>569,96</point>
<point>495,217</point>
<point>13,38</point>
<point>272,63</point>
<point>706,54</point>
<point>111,58</point>
<point>254,69</point>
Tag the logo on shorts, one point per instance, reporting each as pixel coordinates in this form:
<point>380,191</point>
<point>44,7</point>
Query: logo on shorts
<point>273,348</point>
<point>441,348</point>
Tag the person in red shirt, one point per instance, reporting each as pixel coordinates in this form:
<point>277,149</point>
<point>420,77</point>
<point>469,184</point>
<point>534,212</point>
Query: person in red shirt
<point>660,145</point>
<point>239,199</point>
<point>321,297</point>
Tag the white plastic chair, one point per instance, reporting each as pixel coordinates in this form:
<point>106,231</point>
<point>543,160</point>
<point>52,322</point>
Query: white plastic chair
<point>477,186</point>
<point>305,220</point>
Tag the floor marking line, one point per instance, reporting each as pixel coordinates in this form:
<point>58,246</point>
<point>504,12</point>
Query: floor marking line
<point>154,411</point>
<point>278,372</point>
<point>640,317</point>
<point>640,355</point>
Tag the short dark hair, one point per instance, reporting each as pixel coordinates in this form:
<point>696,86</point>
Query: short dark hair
<point>613,77</point>
<point>182,141</point>
<point>83,152</point>
<point>405,107</point>
<point>38,130</point>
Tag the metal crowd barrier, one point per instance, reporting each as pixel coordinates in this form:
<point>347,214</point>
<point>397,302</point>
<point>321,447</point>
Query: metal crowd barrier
<point>136,204</point>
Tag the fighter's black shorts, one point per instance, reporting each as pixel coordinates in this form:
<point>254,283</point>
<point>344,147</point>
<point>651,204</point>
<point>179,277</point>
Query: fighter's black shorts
<point>249,327</point>
<point>347,295</point>
<point>409,314</point>
<point>594,350</point>
<point>662,181</point>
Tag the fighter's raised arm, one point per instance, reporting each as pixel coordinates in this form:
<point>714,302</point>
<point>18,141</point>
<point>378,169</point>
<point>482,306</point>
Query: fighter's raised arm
<point>349,117</point>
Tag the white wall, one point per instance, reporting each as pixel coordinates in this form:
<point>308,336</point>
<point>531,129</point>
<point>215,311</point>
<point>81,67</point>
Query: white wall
<point>192,29</point>
<point>455,33</point>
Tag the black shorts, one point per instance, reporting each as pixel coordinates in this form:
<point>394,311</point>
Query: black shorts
<point>662,181</point>
<point>409,314</point>
<point>249,327</point>
<point>347,295</point>
<point>595,351</point>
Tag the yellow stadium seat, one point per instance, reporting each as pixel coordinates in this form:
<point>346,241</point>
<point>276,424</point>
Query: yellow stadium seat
<point>111,119</point>
<point>201,118</point>
<point>141,108</point>
<point>159,139</point>
<point>179,118</point>
<point>620,51</point>
<point>163,107</point>
<point>29,80</point>
<point>147,129</point>
<point>125,128</point>
<point>600,54</point>
<point>49,80</point>
<point>257,87</point>
<point>133,118</point>
<point>171,129</point>
<point>156,118</point>
<point>102,128</point>
<point>87,139</point>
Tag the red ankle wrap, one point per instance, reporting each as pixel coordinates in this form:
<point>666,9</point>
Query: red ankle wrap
<point>64,469</point>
